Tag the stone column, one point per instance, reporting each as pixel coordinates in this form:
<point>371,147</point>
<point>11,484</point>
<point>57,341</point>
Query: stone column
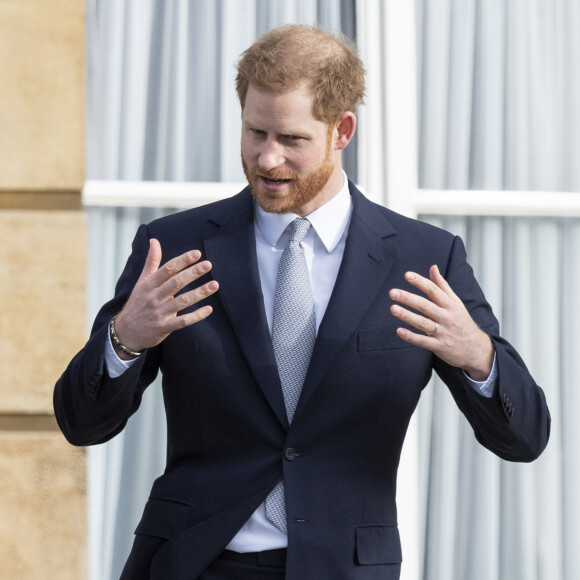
<point>43,522</point>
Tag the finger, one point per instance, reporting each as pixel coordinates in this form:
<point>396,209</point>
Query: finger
<point>194,296</point>
<point>428,287</point>
<point>193,317</point>
<point>185,277</point>
<point>176,265</point>
<point>439,280</point>
<point>153,259</point>
<point>416,302</point>
<point>415,320</point>
<point>415,339</point>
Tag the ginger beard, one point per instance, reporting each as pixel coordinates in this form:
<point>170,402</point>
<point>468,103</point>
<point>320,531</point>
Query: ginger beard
<point>300,189</point>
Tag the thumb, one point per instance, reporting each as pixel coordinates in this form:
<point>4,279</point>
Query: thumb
<point>153,259</point>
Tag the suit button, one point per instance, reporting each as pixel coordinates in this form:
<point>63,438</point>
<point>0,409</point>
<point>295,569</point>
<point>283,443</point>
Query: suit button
<point>508,405</point>
<point>290,453</point>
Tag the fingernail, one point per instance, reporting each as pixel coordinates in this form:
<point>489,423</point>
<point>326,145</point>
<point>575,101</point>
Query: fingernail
<point>212,286</point>
<point>395,294</point>
<point>410,276</point>
<point>395,310</point>
<point>205,311</point>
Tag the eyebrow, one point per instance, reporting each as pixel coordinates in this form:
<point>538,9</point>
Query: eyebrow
<point>285,132</point>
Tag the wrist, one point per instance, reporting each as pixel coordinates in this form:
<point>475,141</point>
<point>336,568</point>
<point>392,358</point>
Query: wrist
<point>123,351</point>
<point>481,369</point>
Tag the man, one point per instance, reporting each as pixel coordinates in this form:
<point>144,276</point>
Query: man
<point>288,392</point>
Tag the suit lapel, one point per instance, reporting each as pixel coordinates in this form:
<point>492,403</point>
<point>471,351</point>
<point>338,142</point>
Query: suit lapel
<point>368,259</point>
<point>232,252</point>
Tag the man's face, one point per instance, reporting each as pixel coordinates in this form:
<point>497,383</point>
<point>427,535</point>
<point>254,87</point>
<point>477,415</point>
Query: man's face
<point>288,156</point>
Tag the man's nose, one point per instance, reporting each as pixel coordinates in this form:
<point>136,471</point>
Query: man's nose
<point>271,155</point>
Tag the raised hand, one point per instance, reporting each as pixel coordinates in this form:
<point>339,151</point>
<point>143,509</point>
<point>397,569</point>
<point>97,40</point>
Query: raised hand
<point>151,313</point>
<point>446,326</point>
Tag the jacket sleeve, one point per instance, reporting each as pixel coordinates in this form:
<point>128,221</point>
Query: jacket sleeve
<point>515,422</point>
<point>91,407</point>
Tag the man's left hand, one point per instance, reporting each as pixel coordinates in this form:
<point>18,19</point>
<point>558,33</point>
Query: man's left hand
<point>450,332</point>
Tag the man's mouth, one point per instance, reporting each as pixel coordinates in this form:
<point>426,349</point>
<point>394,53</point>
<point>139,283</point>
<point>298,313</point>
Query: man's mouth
<point>274,185</point>
<point>274,181</point>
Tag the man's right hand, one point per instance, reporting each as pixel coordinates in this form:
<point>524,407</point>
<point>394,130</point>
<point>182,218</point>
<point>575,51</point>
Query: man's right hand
<point>151,313</point>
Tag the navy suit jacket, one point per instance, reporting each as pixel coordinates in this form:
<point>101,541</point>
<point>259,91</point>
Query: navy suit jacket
<point>228,437</point>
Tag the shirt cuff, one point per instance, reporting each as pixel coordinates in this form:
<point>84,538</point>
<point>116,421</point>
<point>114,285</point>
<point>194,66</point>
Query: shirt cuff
<point>486,387</point>
<point>115,366</point>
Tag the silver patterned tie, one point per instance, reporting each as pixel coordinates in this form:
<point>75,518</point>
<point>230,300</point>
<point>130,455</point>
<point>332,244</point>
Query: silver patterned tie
<point>293,337</point>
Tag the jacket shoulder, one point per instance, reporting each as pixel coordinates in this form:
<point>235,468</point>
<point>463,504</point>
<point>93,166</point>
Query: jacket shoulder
<point>224,210</point>
<point>386,221</point>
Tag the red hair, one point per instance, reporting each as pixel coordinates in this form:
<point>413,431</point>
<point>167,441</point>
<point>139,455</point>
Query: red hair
<point>285,57</point>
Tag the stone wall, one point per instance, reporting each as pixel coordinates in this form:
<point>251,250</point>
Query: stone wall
<point>43,522</point>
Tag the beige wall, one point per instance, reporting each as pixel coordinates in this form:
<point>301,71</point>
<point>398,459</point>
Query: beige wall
<point>42,75</point>
<point>42,285</point>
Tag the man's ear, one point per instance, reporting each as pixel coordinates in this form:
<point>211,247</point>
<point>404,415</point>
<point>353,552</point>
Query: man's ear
<point>345,129</point>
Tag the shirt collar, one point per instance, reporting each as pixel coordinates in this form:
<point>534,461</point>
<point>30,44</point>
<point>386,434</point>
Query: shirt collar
<point>329,221</point>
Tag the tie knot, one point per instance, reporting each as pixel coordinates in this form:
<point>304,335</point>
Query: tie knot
<point>300,227</point>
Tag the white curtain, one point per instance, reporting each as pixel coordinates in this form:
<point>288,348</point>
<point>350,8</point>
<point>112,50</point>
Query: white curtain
<point>499,85</point>
<point>161,106</point>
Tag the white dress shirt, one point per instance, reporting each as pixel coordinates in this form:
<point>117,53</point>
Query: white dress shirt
<point>323,249</point>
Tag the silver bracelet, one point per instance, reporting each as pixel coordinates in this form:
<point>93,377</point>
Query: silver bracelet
<point>118,344</point>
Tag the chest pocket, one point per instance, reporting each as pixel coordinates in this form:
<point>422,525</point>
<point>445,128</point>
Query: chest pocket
<point>380,340</point>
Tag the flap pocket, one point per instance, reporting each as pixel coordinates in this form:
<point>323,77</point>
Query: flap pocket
<point>380,340</point>
<point>164,518</point>
<point>378,545</point>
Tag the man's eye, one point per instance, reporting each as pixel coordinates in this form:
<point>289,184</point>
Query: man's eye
<point>293,137</point>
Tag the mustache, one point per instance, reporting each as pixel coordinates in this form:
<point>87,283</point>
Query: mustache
<point>277,174</point>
